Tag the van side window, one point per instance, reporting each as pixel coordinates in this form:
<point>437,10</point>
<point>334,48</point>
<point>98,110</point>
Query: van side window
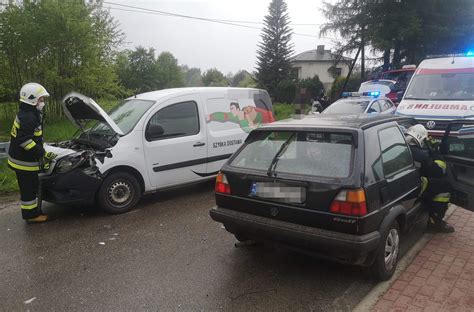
<point>181,119</point>
<point>395,153</point>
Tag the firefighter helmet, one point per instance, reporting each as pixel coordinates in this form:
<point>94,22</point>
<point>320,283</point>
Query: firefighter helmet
<point>417,134</point>
<point>31,92</point>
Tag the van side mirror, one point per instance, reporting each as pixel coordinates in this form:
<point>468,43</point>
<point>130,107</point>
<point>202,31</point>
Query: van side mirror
<point>154,131</point>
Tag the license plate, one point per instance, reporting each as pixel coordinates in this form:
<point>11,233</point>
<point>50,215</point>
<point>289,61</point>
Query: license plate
<point>278,191</point>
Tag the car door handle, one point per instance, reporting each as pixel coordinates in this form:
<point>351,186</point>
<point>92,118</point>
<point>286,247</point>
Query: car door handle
<point>197,144</point>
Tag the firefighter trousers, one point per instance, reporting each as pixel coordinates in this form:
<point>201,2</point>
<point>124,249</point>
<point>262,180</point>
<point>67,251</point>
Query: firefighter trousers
<point>29,183</point>
<point>436,196</point>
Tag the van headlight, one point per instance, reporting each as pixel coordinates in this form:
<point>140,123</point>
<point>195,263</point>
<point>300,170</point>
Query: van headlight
<point>69,162</point>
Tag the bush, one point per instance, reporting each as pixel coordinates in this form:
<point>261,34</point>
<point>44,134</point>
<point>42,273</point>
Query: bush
<point>283,110</point>
<point>286,91</point>
<point>314,87</point>
<point>352,85</point>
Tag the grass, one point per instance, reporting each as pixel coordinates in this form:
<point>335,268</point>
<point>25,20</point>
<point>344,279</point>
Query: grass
<point>8,182</point>
<point>60,129</point>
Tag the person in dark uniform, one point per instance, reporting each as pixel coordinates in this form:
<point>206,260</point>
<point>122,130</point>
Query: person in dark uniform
<point>26,155</point>
<point>435,192</point>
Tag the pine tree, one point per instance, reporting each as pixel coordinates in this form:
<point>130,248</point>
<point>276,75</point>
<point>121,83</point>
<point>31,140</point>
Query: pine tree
<point>275,50</point>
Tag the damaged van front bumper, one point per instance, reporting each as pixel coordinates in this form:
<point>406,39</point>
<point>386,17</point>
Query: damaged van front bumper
<point>72,180</point>
<point>76,187</point>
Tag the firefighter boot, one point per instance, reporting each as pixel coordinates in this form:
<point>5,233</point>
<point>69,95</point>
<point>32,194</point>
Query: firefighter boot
<point>39,219</point>
<point>439,226</point>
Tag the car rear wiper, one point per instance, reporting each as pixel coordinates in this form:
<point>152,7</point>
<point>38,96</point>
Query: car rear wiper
<point>278,154</point>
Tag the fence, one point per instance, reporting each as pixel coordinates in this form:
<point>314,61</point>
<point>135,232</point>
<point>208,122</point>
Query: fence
<point>4,149</point>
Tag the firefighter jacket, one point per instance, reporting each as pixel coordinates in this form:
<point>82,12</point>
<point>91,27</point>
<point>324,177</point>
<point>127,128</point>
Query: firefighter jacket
<point>431,165</point>
<point>26,141</point>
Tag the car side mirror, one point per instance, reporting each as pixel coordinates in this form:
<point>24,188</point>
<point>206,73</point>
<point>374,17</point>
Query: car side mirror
<point>154,131</point>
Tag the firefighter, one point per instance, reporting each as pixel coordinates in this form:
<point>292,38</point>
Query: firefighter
<point>435,192</point>
<point>26,155</point>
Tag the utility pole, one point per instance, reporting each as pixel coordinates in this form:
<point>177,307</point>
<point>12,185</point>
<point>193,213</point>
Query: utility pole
<point>350,71</point>
<point>362,56</point>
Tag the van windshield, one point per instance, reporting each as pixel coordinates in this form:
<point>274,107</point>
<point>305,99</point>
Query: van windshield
<point>442,86</point>
<point>322,154</point>
<point>125,114</point>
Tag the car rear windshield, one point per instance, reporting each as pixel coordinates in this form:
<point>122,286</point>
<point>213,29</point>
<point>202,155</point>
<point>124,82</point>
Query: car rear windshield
<point>347,107</point>
<point>322,154</point>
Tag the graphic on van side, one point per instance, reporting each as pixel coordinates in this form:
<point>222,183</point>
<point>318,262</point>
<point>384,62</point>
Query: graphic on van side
<point>248,117</point>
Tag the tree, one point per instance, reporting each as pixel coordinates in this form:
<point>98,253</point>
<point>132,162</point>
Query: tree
<point>140,71</point>
<point>137,70</point>
<point>192,76</point>
<point>404,31</point>
<point>64,45</point>
<point>214,78</point>
<point>275,49</point>
<point>169,73</point>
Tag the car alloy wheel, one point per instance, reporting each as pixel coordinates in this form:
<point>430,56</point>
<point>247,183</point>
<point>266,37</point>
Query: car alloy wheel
<point>392,247</point>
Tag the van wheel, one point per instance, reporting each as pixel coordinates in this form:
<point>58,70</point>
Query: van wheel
<point>386,257</point>
<point>119,193</point>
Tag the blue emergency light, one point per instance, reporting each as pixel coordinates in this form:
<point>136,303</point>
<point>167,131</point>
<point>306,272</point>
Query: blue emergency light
<point>357,94</point>
<point>470,53</point>
<point>372,93</point>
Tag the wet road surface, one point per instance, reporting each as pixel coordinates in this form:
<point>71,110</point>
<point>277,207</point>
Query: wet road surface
<point>165,255</point>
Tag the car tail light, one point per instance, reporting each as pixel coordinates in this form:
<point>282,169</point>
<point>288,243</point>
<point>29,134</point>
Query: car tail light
<point>222,185</point>
<point>350,202</point>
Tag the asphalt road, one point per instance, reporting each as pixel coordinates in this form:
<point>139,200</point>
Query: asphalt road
<point>165,255</point>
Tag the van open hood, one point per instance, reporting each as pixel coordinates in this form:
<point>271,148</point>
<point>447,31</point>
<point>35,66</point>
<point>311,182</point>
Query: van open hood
<point>81,109</point>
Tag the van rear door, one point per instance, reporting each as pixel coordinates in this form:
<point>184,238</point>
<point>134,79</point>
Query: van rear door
<point>230,117</point>
<point>457,148</point>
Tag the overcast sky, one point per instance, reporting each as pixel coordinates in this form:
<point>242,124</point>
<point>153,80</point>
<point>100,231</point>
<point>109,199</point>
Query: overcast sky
<point>204,44</point>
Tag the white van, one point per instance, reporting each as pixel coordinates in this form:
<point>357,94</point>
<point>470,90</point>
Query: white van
<point>150,142</point>
<point>441,90</point>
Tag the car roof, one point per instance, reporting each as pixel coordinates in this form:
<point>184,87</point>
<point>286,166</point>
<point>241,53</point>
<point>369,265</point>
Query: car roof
<point>380,81</point>
<point>363,98</point>
<point>334,121</point>
<point>399,70</point>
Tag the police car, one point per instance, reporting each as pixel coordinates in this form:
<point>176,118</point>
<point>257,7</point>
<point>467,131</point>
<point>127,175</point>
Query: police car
<point>360,103</point>
<point>441,90</point>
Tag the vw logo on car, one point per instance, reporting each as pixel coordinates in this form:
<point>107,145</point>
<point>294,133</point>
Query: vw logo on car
<point>431,124</point>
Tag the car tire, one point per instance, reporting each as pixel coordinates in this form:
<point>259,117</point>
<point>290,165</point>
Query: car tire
<point>119,193</point>
<point>387,254</point>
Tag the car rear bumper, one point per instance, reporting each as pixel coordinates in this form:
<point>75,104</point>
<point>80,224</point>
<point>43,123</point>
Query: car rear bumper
<point>71,188</point>
<point>342,247</point>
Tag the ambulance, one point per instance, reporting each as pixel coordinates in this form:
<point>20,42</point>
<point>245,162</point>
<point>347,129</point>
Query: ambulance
<point>441,90</point>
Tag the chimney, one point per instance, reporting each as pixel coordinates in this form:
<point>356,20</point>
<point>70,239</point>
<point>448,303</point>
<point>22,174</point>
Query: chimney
<point>320,49</point>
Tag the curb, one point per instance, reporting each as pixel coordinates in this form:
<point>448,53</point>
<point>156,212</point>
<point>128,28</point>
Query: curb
<point>374,295</point>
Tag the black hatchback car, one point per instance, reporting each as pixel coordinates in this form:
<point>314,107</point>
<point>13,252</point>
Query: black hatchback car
<point>339,187</point>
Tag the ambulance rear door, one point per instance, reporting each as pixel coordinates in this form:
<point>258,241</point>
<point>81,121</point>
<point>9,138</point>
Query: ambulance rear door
<point>457,148</point>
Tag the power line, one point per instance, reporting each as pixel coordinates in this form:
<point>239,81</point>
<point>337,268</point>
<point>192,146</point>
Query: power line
<point>218,21</point>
